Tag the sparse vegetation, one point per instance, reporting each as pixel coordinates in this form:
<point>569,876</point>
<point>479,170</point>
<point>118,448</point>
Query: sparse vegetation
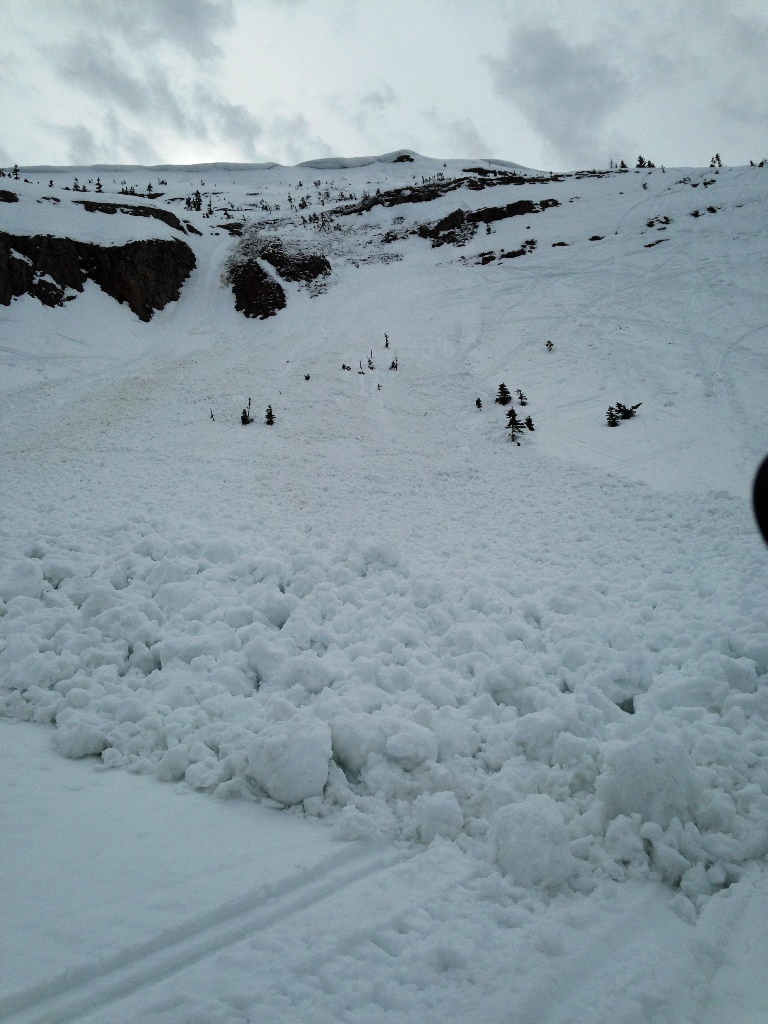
<point>503,397</point>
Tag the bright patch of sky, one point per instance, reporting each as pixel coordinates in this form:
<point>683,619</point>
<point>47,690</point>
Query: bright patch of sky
<point>553,84</point>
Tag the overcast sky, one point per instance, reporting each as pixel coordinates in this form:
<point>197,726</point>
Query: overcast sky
<point>551,84</point>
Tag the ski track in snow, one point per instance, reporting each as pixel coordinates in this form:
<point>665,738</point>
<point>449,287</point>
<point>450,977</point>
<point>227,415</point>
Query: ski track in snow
<point>82,992</point>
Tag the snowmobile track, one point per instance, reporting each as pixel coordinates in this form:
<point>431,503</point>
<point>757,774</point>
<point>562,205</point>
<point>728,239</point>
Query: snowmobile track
<point>82,991</point>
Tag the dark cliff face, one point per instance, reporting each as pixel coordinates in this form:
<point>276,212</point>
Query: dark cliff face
<point>293,265</point>
<point>256,293</point>
<point>145,274</point>
<point>132,211</point>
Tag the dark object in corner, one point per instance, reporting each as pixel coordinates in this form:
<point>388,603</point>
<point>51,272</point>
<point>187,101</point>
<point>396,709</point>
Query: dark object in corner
<point>760,498</point>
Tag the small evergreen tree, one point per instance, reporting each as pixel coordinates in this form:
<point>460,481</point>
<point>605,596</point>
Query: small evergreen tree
<point>641,162</point>
<point>393,364</point>
<point>521,397</point>
<point>550,346</point>
<point>269,419</point>
<point>514,426</point>
<point>98,185</point>
<point>627,412</point>
<point>245,415</point>
<point>529,422</point>
<point>623,166</point>
<point>386,341</point>
<point>612,417</point>
<point>15,172</point>
<point>478,404</point>
<point>503,396</point>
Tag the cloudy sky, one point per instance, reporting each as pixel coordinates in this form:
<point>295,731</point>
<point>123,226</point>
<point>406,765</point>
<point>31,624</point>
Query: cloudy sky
<point>551,84</point>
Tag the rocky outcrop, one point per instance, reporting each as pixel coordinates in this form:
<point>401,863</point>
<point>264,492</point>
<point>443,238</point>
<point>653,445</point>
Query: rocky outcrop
<point>459,226</point>
<point>256,293</point>
<point>165,216</point>
<point>295,265</point>
<point>8,197</point>
<point>440,186</point>
<point>147,275</point>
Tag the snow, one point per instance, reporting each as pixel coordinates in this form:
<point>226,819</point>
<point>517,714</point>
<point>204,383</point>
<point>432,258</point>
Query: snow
<point>493,717</point>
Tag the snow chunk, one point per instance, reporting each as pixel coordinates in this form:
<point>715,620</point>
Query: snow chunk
<point>290,759</point>
<point>438,814</point>
<point>79,734</point>
<point>23,578</point>
<point>411,745</point>
<point>652,776</point>
<point>529,842</point>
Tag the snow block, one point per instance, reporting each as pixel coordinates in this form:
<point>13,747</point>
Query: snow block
<point>290,760</point>
<point>529,842</point>
<point>652,776</point>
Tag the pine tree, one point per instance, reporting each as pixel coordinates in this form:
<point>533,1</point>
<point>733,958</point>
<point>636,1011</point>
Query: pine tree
<point>269,419</point>
<point>521,397</point>
<point>98,185</point>
<point>529,422</point>
<point>15,172</point>
<point>503,396</point>
<point>640,162</point>
<point>478,404</point>
<point>514,426</point>
<point>550,346</point>
<point>627,412</point>
<point>245,415</point>
<point>612,417</point>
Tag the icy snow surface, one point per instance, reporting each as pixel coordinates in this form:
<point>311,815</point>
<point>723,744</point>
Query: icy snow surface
<point>524,686</point>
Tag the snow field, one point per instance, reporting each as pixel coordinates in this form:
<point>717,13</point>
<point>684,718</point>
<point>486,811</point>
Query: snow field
<point>537,673</point>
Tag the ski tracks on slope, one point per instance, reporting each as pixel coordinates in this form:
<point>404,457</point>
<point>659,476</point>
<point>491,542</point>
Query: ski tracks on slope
<point>353,879</point>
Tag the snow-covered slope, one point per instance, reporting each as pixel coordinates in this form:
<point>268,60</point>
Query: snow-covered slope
<point>548,660</point>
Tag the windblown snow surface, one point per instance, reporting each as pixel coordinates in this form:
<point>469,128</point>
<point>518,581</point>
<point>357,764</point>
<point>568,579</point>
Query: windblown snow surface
<point>495,715</point>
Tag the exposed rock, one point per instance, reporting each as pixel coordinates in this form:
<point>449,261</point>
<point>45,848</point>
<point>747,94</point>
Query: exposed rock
<point>459,226</point>
<point>295,265</point>
<point>234,227</point>
<point>145,274</point>
<point>133,211</point>
<point>256,293</point>
<point>430,190</point>
<point>8,197</point>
